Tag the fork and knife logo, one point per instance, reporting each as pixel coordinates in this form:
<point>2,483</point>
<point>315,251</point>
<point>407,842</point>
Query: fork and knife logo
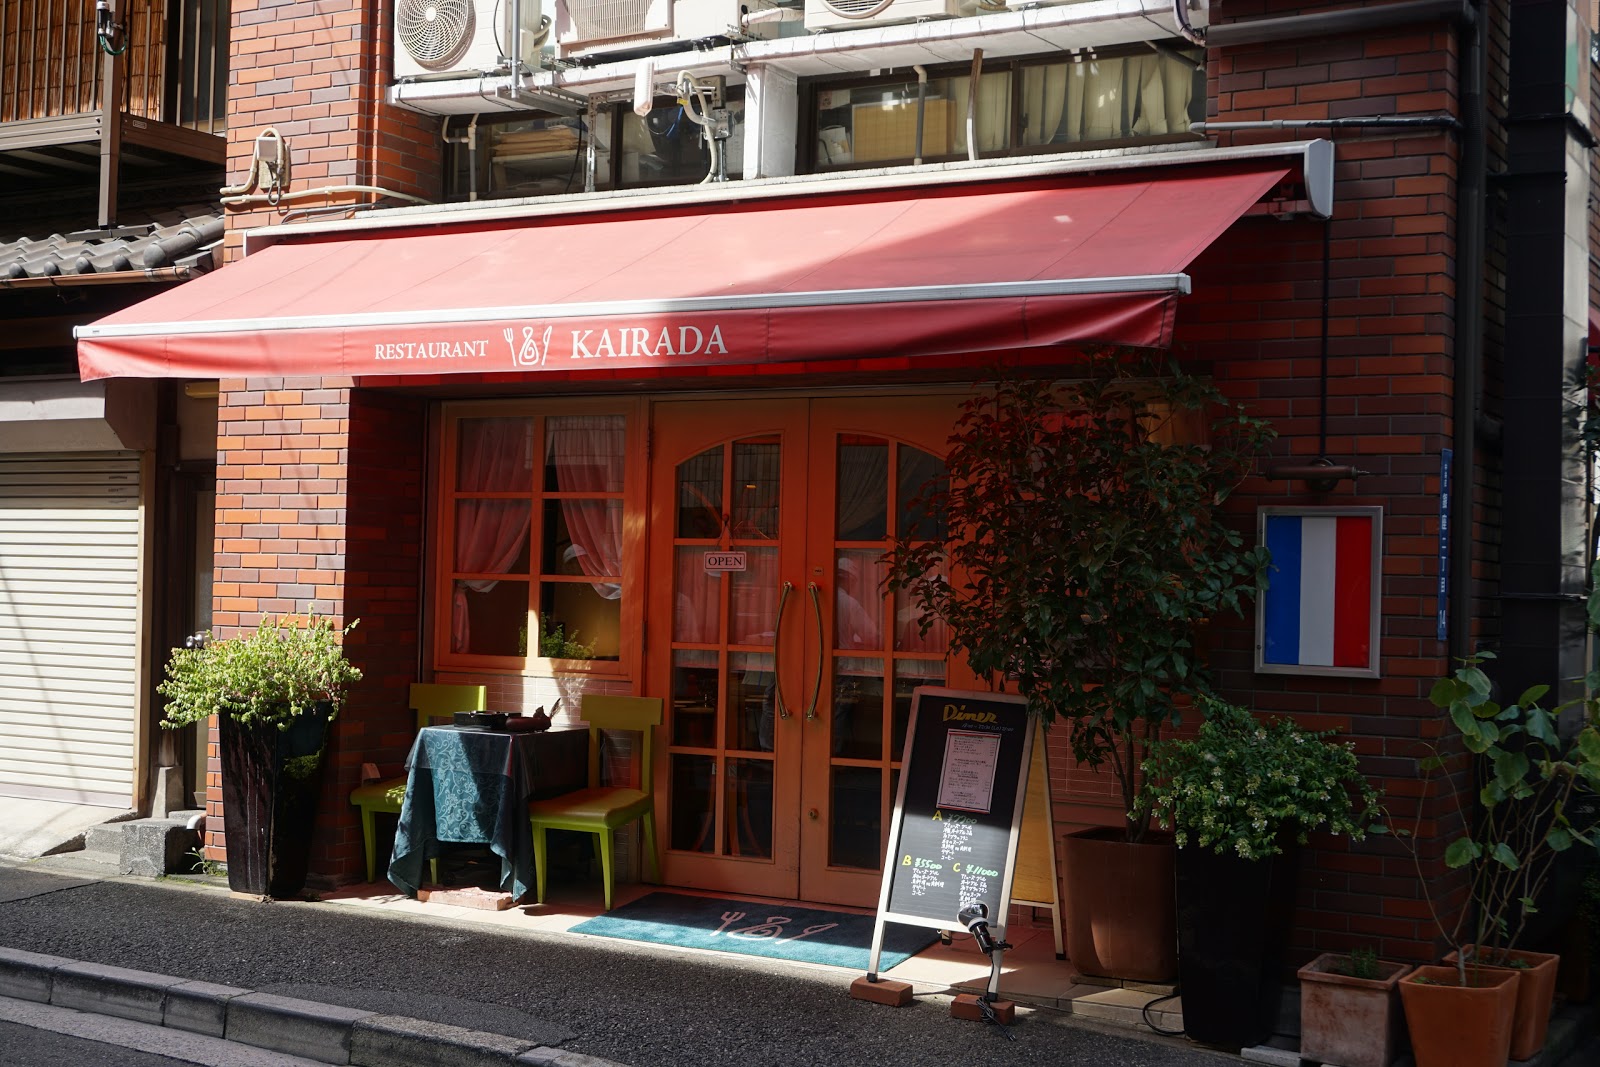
<point>532,352</point>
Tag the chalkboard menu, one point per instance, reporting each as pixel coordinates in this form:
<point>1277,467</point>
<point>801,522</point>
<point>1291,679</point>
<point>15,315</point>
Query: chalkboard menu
<point>963,779</point>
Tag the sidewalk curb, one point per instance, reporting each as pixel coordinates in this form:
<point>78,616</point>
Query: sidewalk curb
<point>323,1032</point>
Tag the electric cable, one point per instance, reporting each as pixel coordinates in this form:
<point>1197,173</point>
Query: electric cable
<point>1144,1013</point>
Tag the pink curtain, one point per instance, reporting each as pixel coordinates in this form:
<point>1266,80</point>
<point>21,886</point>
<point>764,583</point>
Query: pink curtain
<point>494,455</point>
<point>587,454</point>
<point>858,600</point>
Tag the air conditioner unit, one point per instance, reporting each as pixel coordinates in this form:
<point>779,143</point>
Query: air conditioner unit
<point>441,38</point>
<point>853,14</point>
<point>588,27</point>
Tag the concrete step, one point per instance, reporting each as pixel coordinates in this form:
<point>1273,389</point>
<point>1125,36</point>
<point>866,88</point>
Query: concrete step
<point>94,863</point>
<point>148,848</point>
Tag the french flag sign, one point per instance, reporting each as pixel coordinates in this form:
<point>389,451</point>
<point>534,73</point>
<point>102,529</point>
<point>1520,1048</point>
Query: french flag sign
<point>1318,614</point>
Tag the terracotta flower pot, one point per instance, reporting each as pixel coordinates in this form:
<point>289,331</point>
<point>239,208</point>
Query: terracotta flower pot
<point>1119,910</point>
<point>1346,1020</point>
<point>1536,994</point>
<point>1459,1026</point>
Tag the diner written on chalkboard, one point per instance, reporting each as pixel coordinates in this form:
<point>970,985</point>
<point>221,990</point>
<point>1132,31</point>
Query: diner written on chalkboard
<point>963,782</point>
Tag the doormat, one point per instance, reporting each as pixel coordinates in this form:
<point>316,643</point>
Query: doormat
<point>777,931</point>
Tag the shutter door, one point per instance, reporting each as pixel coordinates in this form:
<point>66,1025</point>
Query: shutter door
<point>69,584</point>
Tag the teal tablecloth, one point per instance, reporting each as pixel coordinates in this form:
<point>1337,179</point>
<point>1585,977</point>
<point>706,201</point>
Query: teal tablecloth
<point>473,787</point>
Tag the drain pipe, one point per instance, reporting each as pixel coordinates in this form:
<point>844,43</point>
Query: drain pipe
<point>1469,339</point>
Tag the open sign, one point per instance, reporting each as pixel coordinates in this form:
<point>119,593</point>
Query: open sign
<point>724,561</point>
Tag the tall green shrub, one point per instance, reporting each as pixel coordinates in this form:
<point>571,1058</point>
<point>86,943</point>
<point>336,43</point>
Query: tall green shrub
<point>1084,548</point>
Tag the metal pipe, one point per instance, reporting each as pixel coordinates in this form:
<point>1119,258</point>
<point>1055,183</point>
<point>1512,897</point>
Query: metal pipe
<point>514,48</point>
<point>1447,122</point>
<point>1337,23</point>
<point>1180,15</point>
<point>972,103</point>
<point>326,190</point>
<point>117,277</point>
<point>1468,340</point>
<point>922,101</point>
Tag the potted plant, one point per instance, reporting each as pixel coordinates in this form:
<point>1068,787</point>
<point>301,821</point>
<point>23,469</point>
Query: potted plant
<point>1350,1009</point>
<point>274,691</point>
<point>1508,847</point>
<point>1240,798</point>
<point>1083,550</point>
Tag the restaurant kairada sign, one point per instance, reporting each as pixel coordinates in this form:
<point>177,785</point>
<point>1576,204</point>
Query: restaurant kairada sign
<point>953,840</point>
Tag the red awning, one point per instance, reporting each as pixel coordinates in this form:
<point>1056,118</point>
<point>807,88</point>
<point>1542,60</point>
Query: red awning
<point>933,271</point>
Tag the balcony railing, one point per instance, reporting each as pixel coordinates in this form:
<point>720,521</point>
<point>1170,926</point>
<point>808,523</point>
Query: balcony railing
<point>175,66</point>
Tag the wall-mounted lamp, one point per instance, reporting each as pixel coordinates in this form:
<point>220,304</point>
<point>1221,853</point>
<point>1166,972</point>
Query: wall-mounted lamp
<point>107,30</point>
<point>1321,475</point>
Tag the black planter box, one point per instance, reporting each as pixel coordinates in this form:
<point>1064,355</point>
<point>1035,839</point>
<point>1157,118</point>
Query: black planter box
<point>1233,931</point>
<point>271,785</point>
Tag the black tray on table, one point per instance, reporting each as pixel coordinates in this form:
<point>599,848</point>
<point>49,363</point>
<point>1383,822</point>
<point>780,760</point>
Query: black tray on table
<point>480,720</point>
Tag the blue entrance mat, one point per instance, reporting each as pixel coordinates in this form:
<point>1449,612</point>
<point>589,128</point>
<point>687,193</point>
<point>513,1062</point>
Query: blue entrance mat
<point>777,931</point>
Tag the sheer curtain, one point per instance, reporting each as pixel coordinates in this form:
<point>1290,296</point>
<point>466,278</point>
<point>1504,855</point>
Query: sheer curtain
<point>587,455</point>
<point>1106,99</point>
<point>494,455</point>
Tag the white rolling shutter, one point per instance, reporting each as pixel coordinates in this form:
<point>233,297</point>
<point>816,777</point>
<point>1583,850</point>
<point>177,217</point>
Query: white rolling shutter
<point>69,588</point>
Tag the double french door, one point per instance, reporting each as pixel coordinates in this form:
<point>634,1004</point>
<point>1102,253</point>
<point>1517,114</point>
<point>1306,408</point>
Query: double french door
<point>786,665</point>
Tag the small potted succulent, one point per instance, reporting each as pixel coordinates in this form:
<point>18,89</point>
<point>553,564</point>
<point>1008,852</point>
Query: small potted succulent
<point>1241,796</point>
<point>274,691</point>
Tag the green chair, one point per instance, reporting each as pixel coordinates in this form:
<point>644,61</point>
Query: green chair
<point>430,702</point>
<point>599,809</point>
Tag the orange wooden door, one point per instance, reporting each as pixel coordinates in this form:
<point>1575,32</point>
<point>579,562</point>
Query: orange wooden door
<point>724,645</point>
<point>788,683</point>
<point>870,459</point>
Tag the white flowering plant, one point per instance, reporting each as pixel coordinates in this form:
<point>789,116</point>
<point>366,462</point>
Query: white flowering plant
<point>1243,784</point>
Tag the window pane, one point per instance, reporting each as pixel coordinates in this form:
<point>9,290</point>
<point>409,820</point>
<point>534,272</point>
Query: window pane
<point>858,575</point>
<point>863,488</point>
<point>749,808</point>
<point>666,147</point>
<point>692,802</point>
<point>858,708</point>
<point>492,536</point>
<point>908,674</point>
<point>1109,98</point>
<point>757,466</point>
<point>853,839</point>
<point>700,495</point>
<point>750,700</point>
<point>584,453</point>
<point>920,474</point>
<point>577,622</point>
<point>584,537</point>
<point>697,605</point>
<point>494,456</point>
<point>694,697</point>
<point>489,618</point>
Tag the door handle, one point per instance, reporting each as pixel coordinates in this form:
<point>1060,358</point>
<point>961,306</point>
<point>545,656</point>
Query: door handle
<point>816,692</point>
<point>777,653</point>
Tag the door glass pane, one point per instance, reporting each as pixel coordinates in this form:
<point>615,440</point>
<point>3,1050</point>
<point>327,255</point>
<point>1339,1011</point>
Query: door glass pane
<point>489,618</point>
<point>855,818</point>
<point>756,469</point>
<point>700,495</point>
<point>750,701</point>
<point>697,607</point>
<point>694,697</point>
<point>858,575</point>
<point>492,536</point>
<point>495,456</point>
<point>920,475</point>
<point>908,632</point>
<point>858,708</point>
<point>693,807</point>
<point>863,509</point>
<point>748,804</point>
<point>753,613</point>
<point>908,674</point>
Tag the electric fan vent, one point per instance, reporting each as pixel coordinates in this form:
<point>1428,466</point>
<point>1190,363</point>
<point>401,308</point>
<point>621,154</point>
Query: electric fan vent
<point>856,9</point>
<point>435,32</point>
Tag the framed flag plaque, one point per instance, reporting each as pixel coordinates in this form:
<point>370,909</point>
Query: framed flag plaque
<point>1319,613</point>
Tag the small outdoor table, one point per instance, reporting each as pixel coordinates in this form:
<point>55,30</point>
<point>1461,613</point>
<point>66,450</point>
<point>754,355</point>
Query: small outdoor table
<point>472,786</point>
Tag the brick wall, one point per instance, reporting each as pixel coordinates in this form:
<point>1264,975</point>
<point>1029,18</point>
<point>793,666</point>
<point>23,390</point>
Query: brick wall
<point>316,72</point>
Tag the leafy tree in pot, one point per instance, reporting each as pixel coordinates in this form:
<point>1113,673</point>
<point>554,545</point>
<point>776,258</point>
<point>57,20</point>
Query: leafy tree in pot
<point>1084,547</point>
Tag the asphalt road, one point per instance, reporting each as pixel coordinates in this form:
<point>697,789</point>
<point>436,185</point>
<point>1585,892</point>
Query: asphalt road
<point>622,1001</point>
